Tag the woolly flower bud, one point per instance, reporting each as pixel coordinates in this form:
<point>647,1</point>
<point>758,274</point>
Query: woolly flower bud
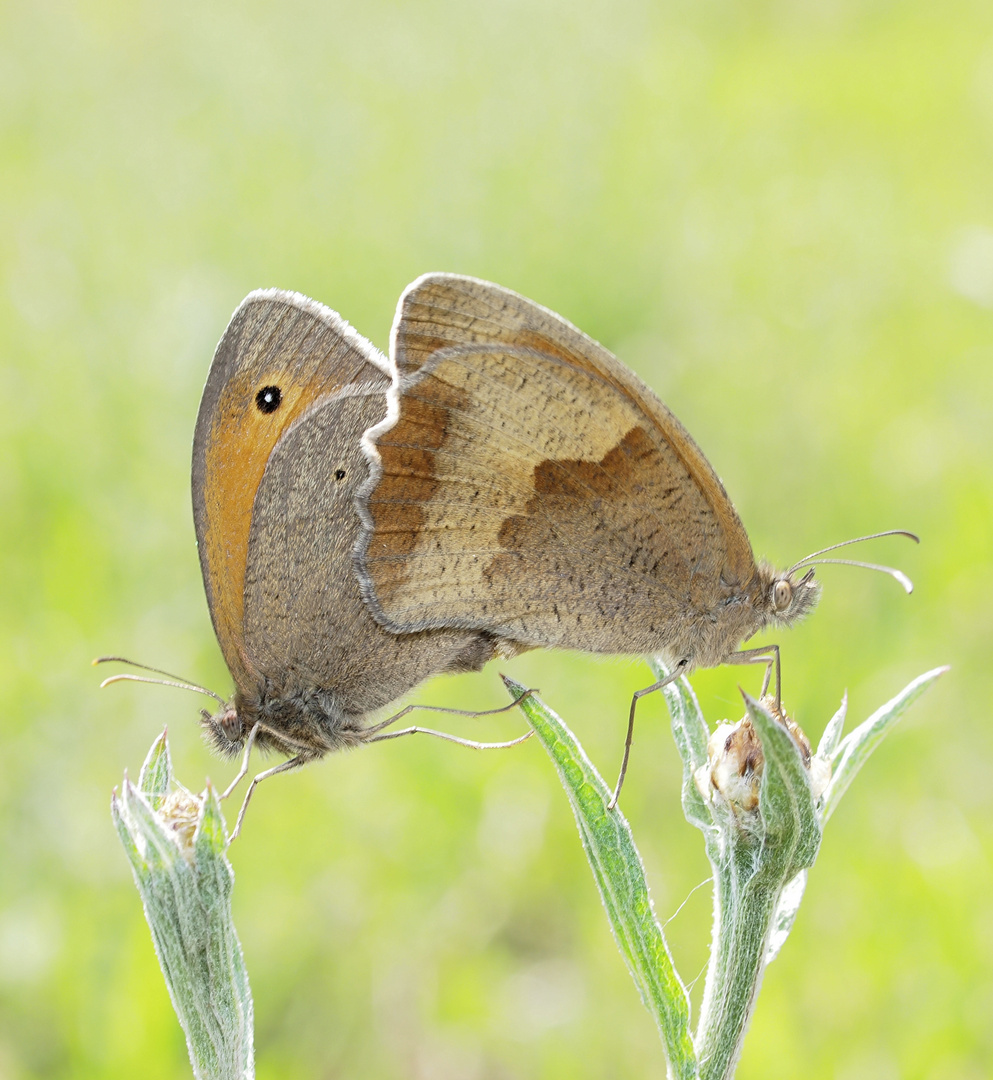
<point>177,844</point>
<point>735,762</point>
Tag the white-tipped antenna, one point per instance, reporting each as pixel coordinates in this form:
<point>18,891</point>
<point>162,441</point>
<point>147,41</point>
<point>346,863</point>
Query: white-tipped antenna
<point>814,558</point>
<point>169,680</point>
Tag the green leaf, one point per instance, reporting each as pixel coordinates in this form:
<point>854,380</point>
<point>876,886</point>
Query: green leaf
<point>786,909</point>
<point>792,827</point>
<point>854,750</point>
<point>155,777</point>
<point>832,732</point>
<point>692,734</point>
<point>620,877</point>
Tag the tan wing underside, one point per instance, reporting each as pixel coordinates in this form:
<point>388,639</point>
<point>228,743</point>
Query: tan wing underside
<point>535,498</point>
<point>440,311</point>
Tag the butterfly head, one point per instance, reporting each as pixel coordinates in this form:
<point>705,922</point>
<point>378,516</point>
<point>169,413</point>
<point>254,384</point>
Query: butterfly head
<point>787,598</point>
<point>223,730</point>
<point>227,730</point>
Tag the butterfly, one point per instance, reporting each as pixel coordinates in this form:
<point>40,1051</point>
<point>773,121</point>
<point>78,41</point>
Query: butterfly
<point>278,460</point>
<point>528,485</point>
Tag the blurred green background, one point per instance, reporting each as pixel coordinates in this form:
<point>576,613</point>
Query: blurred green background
<point>781,215</point>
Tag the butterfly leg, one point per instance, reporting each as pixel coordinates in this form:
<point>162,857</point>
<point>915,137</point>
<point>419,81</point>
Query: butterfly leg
<point>638,694</point>
<point>764,654</point>
<point>373,734</point>
<point>283,766</point>
<point>471,743</point>
<point>243,771</point>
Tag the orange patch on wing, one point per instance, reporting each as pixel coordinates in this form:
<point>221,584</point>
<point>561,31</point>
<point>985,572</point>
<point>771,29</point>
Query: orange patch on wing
<point>242,441</point>
<point>409,481</point>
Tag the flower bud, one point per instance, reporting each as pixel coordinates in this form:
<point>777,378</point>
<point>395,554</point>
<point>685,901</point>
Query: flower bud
<point>735,762</point>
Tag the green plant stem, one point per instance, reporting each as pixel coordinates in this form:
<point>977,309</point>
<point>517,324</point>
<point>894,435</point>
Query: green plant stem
<point>744,903</point>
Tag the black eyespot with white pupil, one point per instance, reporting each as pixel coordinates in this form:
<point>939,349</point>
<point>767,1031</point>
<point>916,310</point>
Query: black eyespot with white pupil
<point>339,474</point>
<point>782,595</point>
<point>268,398</point>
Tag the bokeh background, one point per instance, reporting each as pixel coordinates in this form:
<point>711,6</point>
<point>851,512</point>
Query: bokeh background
<point>781,214</point>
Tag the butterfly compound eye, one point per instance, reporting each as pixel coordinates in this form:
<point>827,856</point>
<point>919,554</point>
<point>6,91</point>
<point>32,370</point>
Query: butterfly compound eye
<point>268,398</point>
<point>782,595</point>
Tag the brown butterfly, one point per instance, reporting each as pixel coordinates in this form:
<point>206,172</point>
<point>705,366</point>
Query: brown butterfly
<point>527,484</point>
<point>277,462</point>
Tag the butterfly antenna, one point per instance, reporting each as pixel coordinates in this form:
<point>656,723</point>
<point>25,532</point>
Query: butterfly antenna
<point>898,575</point>
<point>169,680</point>
<point>857,540</point>
<point>814,558</point>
